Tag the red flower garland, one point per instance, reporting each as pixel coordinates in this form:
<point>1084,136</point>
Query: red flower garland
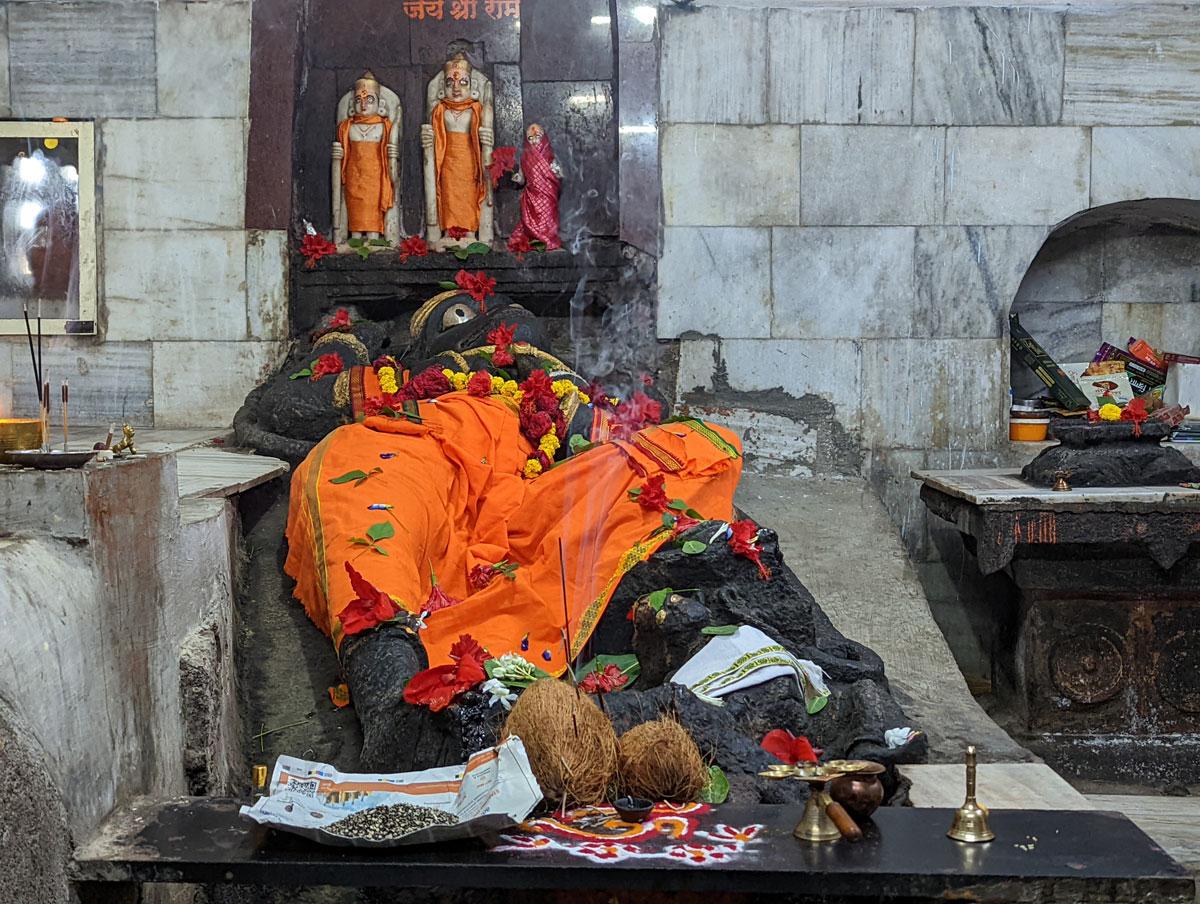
<point>437,687</point>
<point>371,608</point>
<point>480,384</point>
<point>428,384</point>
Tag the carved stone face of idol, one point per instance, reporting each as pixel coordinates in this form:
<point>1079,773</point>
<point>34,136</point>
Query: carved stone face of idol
<point>534,134</point>
<point>365,102</point>
<point>458,84</point>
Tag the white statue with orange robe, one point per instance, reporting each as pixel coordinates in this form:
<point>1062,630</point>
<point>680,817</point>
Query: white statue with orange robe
<point>366,164</point>
<point>457,141</point>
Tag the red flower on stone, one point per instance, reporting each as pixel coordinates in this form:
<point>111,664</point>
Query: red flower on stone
<point>519,245</point>
<point>413,246</point>
<point>456,232</point>
<point>315,247</point>
<point>369,609</point>
<point>595,391</point>
<point>437,687</point>
<point>604,681</point>
<point>478,285</point>
<point>327,365</point>
<point>502,337</point>
<point>784,745</point>
<point>340,320</point>
<point>744,542</point>
<point>653,498</point>
<point>504,160</point>
<point>428,384</point>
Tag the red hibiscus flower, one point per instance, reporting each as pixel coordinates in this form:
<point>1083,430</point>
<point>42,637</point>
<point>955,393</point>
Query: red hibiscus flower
<point>784,745</point>
<point>604,681</point>
<point>413,246</point>
<point>327,365</point>
<point>635,413</point>
<point>480,383</point>
<point>369,609</point>
<point>502,337</point>
<point>744,542</point>
<point>478,285</point>
<point>519,245</point>
<point>1136,412</point>
<point>683,523</point>
<point>653,498</point>
<point>437,687</point>
<point>428,384</point>
<point>456,232</point>
<point>315,247</point>
<point>504,160</point>
<point>340,320</point>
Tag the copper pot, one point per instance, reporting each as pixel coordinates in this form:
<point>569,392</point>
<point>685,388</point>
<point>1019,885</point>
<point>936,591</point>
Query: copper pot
<point>860,791</point>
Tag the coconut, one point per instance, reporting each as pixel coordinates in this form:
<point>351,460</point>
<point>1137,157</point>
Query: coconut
<point>571,744</point>
<point>660,761</point>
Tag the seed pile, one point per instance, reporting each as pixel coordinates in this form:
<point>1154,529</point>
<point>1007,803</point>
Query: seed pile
<point>389,821</point>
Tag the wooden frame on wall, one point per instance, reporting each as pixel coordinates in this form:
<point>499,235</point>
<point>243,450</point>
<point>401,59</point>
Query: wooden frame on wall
<point>75,312</point>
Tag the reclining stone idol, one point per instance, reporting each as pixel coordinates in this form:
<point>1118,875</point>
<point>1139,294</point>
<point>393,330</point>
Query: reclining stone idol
<point>464,496</point>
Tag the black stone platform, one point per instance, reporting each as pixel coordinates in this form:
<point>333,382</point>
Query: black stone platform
<point>1038,856</point>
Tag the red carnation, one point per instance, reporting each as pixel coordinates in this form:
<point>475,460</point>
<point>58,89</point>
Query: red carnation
<point>504,160</point>
<point>502,337</point>
<point>478,285</point>
<point>481,576</point>
<point>480,383</point>
<point>456,232</point>
<point>340,319</point>
<point>603,681</point>
<point>744,542</point>
<point>386,361</point>
<point>653,498</point>
<point>519,245</point>
<point>413,246</point>
<point>315,247</point>
<point>428,384</point>
<point>437,687</point>
<point>784,745</point>
<point>369,609</point>
<point>327,365</point>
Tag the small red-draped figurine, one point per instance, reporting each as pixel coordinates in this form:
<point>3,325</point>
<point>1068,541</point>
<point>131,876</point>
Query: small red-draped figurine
<point>542,177</point>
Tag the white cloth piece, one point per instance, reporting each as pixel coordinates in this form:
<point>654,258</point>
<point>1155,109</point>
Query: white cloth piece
<point>897,737</point>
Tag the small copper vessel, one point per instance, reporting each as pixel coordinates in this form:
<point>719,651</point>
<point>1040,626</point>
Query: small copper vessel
<point>859,791</point>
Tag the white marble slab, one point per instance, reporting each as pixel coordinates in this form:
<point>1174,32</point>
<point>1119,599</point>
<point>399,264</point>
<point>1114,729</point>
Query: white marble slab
<point>217,472</point>
<point>710,72</point>
<point>715,281</point>
<point>1173,822</point>
<point>999,786</point>
<point>1000,485</point>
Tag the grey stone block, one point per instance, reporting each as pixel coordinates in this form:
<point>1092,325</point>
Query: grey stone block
<point>176,285</point>
<point>988,66</point>
<point>637,20</point>
<point>1160,162</point>
<point>713,68</point>
<point>1152,268</point>
<point>566,41</point>
<point>843,282</point>
<point>82,59</point>
<point>1068,331</point>
<point>871,175</point>
<point>203,59</point>
<point>1121,321</point>
<point>715,281</point>
<point>967,276</point>
<point>1015,176</point>
<point>174,173</point>
<point>1132,65</point>
<point>731,175</point>
<point>840,66</point>
<point>5,99</point>
<point>110,381</point>
<point>933,393</point>
<point>267,262</point>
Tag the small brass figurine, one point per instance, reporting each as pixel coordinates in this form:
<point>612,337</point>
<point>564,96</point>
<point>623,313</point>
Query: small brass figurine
<point>1060,482</point>
<point>970,820</point>
<point>126,443</point>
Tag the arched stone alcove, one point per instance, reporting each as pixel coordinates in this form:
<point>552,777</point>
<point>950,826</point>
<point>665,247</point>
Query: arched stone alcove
<point>1109,273</point>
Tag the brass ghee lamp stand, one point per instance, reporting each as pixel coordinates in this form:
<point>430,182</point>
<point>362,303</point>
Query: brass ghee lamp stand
<point>824,819</point>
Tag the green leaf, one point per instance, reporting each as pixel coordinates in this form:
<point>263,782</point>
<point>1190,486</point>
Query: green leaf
<point>361,541</point>
<point>717,789</point>
<point>668,519</point>
<point>677,505</point>
<point>626,662</point>
<point>535,674</point>
<point>578,443</point>
<point>349,476</point>
<point>538,245</point>
<point>635,492</point>
<point>365,477</point>
<point>658,598</point>
<point>379,549</point>
<point>692,513</point>
<point>461,254</point>
<point>447,284</point>
<point>304,372</point>
<point>379,243</point>
<point>381,531</point>
<point>719,630</point>
<point>363,252</point>
<point>693,547</point>
<point>354,242</point>
<point>478,248</point>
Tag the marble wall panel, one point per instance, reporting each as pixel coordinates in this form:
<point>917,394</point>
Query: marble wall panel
<point>1015,176</point>
<point>580,119</point>
<point>267,262</point>
<point>967,277</point>
<point>174,173</point>
<point>933,393</point>
<point>82,59</point>
<point>843,282</point>
<point>110,381</point>
<point>721,175</point>
<point>495,40</point>
<point>1132,65</point>
<point>641,185</point>
<point>566,41</point>
<point>637,20</point>
<point>711,71</point>
<point>715,281</point>
<point>1153,162</point>
<point>203,59</point>
<point>1069,331</point>
<point>1067,268</point>
<point>203,383</point>
<point>871,175</point>
<point>1181,328</point>
<point>1152,268</point>
<point>5,99</point>
<point>840,66</point>
<point>175,285</point>
<point>988,66</point>
<point>1119,322</point>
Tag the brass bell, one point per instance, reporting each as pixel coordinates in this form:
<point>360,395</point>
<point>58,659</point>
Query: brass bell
<point>1060,482</point>
<point>970,820</point>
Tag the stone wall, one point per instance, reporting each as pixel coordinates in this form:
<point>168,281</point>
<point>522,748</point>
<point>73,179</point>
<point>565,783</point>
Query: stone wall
<point>193,306</point>
<point>852,198</point>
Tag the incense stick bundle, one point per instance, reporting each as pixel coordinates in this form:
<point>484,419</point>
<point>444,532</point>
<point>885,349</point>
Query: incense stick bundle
<point>66,430</point>
<point>46,415</point>
<point>37,373</point>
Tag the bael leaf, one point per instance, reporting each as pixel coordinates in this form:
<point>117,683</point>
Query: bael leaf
<point>717,789</point>
<point>349,476</point>
<point>371,473</point>
<point>381,531</point>
<point>461,254</point>
<point>361,541</point>
<point>447,284</point>
<point>635,492</point>
<point>719,630</point>
<point>303,372</point>
<point>578,443</point>
<point>626,662</point>
<point>658,598</point>
<point>379,243</point>
<point>668,520</point>
<point>692,513</point>
<point>354,242</point>
<point>379,549</point>
<point>478,248</point>
<point>363,252</point>
<point>693,547</point>
<point>538,245</point>
<point>677,505</point>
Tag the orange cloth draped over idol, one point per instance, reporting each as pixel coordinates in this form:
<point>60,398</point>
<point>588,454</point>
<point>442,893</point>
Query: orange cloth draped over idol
<point>366,178</point>
<point>459,500</point>
<point>458,163</point>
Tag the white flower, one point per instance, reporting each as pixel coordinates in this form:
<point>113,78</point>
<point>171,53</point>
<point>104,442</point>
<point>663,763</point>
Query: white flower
<point>515,667</point>
<point>498,693</point>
